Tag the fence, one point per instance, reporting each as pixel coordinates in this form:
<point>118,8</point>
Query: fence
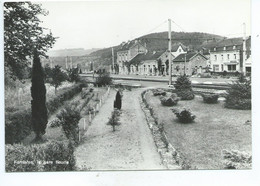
<point>87,120</point>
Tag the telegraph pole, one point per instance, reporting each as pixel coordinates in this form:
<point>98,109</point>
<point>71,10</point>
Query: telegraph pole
<point>170,54</point>
<point>113,62</point>
<point>66,59</point>
<point>185,64</point>
<point>244,47</point>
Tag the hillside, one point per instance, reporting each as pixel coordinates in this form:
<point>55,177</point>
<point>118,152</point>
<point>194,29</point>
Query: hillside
<point>70,52</point>
<point>159,41</point>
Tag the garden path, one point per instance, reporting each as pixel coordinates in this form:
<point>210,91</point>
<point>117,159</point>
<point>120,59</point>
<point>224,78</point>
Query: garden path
<point>130,147</point>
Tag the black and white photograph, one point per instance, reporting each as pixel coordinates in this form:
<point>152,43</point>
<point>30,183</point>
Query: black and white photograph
<point>150,86</point>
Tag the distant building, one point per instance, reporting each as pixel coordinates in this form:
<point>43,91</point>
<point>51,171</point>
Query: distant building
<point>227,55</point>
<point>191,63</point>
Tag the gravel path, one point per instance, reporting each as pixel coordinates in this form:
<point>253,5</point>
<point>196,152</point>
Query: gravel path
<point>130,147</point>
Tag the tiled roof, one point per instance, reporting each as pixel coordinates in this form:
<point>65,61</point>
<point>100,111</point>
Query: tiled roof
<point>129,44</point>
<point>181,57</point>
<point>146,56</point>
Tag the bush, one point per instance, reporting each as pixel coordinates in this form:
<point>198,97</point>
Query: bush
<point>69,117</point>
<point>118,101</point>
<point>114,120</point>
<point>50,156</point>
<point>169,100</point>
<point>239,96</point>
<point>185,94</point>
<point>103,79</point>
<point>73,75</point>
<point>18,122</point>
<point>159,92</point>
<point>237,160</point>
<point>184,116</point>
<point>183,83</point>
<point>210,98</point>
<point>55,123</point>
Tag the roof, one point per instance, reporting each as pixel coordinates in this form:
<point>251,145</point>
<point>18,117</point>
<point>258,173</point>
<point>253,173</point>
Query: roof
<point>230,43</point>
<point>128,45</point>
<point>176,46</point>
<point>145,56</point>
<point>181,57</point>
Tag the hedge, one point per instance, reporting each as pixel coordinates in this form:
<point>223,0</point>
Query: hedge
<point>18,122</point>
<point>50,156</point>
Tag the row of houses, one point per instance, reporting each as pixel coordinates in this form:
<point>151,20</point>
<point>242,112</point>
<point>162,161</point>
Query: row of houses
<point>225,55</point>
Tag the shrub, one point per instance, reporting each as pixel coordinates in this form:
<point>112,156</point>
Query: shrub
<point>237,160</point>
<point>55,123</point>
<point>73,75</point>
<point>169,100</point>
<point>69,117</point>
<point>118,101</point>
<point>183,83</point>
<point>38,103</point>
<point>210,98</point>
<point>50,156</point>
<point>18,122</point>
<point>114,119</point>
<point>185,94</point>
<point>239,95</point>
<point>103,79</point>
<point>159,92</point>
<point>184,116</point>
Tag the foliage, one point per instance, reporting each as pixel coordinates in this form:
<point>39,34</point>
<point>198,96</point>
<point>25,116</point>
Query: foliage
<point>210,98</point>
<point>103,79</point>
<point>239,95</point>
<point>57,77</point>
<point>73,75</point>
<point>38,93</point>
<point>22,33</point>
<point>184,116</point>
<point>114,119</point>
<point>47,72</point>
<point>169,100</point>
<point>159,92</point>
<point>55,123</point>
<point>59,155</point>
<point>118,101</point>
<point>69,117</point>
<point>18,121</point>
<point>183,83</point>
<point>185,94</point>
<point>56,102</point>
<point>237,160</point>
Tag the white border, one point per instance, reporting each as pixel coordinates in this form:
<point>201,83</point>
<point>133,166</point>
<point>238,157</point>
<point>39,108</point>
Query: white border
<point>157,178</point>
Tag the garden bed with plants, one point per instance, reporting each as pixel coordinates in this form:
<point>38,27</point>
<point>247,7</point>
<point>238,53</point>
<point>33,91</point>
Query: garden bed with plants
<point>214,129</point>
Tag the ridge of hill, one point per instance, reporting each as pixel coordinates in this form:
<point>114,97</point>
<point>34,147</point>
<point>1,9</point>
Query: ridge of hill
<point>71,52</point>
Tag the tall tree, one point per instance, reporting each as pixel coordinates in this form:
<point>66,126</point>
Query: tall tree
<point>22,32</point>
<point>57,77</point>
<point>38,103</point>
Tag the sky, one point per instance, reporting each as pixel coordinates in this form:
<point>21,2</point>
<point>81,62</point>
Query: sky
<point>100,24</point>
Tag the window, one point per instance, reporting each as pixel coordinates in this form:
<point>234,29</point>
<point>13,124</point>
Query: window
<point>216,57</point>
<point>234,47</point>
<point>235,56</point>
<point>227,56</point>
<point>231,68</point>
<point>224,48</point>
<point>216,68</point>
<point>222,57</point>
<point>179,50</point>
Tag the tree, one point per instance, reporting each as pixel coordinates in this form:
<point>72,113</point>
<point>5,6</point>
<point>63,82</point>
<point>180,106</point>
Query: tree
<point>38,103</point>
<point>73,75</point>
<point>57,77</point>
<point>22,32</point>
<point>103,79</point>
<point>118,101</point>
<point>47,72</point>
<point>114,120</point>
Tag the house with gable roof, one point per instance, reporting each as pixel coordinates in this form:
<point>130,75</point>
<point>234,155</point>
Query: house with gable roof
<point>191,63</point>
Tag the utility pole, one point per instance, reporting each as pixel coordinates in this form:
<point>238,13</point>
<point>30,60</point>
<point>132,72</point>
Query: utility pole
<point>71,62</point>
<point>244,48</point>
<point>185,64</point>
<point>113,62</point>
<point>66,59</point>
<point>170,54</point>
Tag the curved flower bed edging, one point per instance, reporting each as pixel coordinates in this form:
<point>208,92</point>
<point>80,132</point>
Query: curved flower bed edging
<point>170,157</point>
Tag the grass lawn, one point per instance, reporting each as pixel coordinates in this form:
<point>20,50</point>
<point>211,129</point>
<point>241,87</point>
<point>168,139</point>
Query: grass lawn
<point>214,129</point>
